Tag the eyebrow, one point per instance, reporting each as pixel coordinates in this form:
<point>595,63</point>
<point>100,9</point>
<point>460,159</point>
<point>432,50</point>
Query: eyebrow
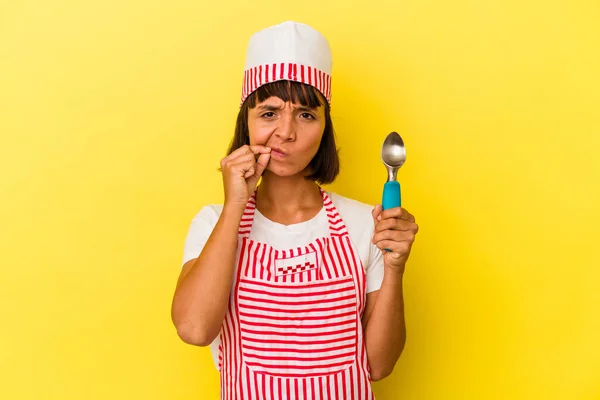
<point>268,107</point>
<point>305,108</point>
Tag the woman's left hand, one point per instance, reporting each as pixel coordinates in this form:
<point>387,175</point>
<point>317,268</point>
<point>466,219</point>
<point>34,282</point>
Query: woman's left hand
<point>395,229</point>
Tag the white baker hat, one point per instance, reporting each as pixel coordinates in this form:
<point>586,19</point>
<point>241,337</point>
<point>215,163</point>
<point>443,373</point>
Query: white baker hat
<point>288,51</point>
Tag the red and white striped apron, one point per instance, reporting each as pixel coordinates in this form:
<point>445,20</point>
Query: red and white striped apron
<point>293,328</point>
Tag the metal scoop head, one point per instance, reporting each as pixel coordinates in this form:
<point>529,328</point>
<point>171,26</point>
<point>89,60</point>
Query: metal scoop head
<point>393,154</point>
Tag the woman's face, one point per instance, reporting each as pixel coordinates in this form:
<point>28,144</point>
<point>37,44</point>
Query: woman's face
<point>292,131</point>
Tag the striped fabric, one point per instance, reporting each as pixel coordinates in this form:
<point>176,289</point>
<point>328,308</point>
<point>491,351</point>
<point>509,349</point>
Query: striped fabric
<point>263,74</point>
<point>295,335</point>
<point>298,330</point>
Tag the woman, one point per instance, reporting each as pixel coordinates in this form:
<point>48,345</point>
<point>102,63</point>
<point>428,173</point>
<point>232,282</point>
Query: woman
<point>290,285</point>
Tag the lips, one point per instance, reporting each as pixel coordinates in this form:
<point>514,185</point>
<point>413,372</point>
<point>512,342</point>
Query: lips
<point>277,152</point>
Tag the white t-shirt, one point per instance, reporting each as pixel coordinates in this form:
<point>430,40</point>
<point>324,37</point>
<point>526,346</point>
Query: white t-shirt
<point>356,215</point>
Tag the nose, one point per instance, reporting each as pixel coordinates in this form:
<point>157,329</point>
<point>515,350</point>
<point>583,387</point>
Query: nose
<point>286,129</point>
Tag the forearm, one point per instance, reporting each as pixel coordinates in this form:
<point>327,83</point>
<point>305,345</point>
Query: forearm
<point>202,295</point>
<point>385,330</point>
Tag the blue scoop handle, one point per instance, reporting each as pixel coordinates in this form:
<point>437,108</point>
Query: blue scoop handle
<point>391,196</point>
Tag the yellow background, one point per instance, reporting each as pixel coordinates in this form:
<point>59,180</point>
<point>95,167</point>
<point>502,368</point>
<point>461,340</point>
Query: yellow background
<point>114,116</point>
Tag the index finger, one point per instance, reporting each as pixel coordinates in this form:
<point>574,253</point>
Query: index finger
<point>246,149</point>
<point>258,149</point>
<point>397,212</point>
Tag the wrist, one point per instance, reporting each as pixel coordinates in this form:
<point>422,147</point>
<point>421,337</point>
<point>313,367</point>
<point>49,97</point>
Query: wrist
<point>393,274</point>
<point>233,211</point>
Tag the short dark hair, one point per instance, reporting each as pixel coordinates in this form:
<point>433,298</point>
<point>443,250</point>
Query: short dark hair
<point>325,165</point>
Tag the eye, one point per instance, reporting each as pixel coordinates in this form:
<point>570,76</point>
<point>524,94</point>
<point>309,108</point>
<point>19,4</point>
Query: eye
<point>269,114</point>
<point>307,116</point>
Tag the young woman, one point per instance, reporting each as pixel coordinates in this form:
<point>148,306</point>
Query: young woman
<point>291,285</point>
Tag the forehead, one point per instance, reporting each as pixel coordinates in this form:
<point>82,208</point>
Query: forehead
<point>276,102</point>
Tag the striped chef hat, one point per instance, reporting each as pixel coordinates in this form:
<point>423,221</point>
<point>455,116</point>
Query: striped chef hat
<point>288,51</point>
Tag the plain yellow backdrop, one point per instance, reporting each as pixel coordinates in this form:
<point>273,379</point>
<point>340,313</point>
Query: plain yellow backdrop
<point>114,116</point>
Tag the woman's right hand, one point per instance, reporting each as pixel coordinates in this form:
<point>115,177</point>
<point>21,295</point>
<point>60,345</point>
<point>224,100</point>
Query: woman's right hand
<point>241,171</point>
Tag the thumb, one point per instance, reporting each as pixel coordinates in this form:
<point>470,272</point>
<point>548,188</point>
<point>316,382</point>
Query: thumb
<point>261,164</point>
<point>375,213</point>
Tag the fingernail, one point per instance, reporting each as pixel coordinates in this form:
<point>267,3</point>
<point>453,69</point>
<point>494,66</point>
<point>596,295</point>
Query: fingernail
<point>379,218</point>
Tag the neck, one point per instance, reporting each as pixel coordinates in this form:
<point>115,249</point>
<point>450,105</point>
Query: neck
<point>288,200</point>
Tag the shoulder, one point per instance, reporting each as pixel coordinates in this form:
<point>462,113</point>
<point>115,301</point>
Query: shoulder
<point>210,213</point>
<point>199,230</point>
<point>203,222</point>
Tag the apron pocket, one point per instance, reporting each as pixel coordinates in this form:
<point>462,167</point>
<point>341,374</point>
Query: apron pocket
<point>298,329</point>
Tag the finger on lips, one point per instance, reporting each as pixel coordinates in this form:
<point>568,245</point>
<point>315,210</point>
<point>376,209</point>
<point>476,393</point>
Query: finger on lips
<point>246,150</point>
<point>243,161</point>
<point>264,158</point>
<point>239,152</point>
<point>258,149</point>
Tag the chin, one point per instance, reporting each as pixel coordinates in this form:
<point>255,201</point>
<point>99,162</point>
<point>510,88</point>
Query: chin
<point>281,172</point>
<point>285,172</point>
